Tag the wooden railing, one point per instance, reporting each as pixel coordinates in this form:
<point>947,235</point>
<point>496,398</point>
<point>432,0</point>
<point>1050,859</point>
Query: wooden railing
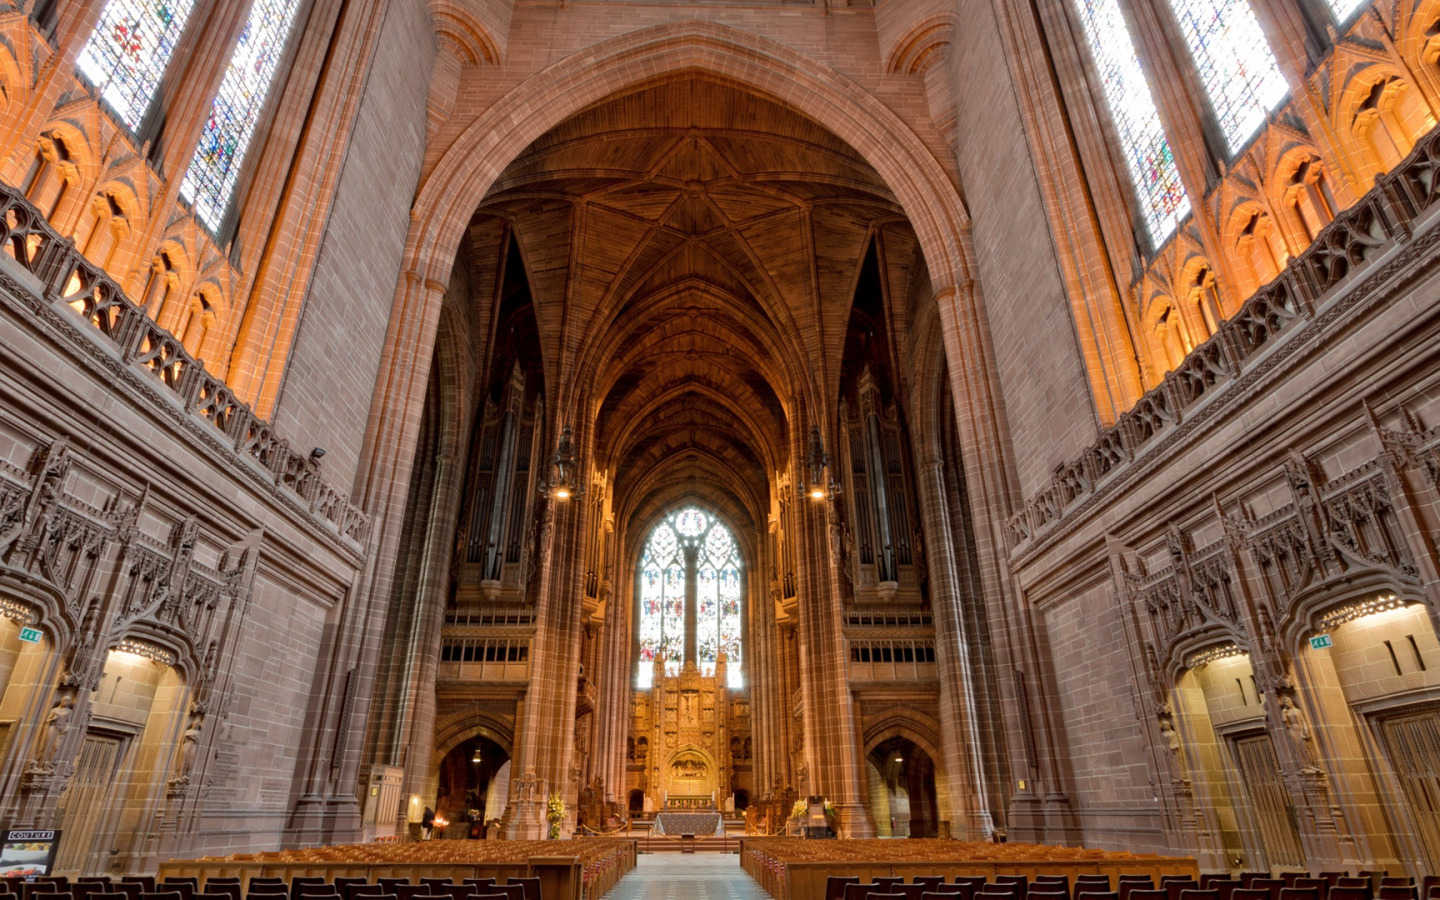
<point>1381,219</point>
<point>67,279</point>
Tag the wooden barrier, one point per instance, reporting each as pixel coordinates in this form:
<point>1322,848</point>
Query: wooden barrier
<point>570,870</point>
<point>796,869</point>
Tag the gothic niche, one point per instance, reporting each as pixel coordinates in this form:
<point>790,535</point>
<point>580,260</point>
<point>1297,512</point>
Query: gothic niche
<point>881,552</point>
<point>689,768</point>
<point>506,457</point>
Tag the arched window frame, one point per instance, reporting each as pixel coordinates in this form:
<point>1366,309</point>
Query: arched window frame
<point>690,570</point>
<point>1149,162</point>
<point>1236,67</point>
<point>210,185</point>
<point>132,27</point>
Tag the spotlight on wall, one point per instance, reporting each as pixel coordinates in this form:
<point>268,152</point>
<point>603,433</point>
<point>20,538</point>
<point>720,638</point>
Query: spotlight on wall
<point>563,467</point>
<point>317,453</point>
<point>816,461</point>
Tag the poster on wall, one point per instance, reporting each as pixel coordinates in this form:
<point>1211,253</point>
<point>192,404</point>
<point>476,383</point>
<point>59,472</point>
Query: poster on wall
<point>28,854</point>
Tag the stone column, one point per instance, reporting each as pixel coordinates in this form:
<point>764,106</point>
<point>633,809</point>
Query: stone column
<point>960,737</point>
<point>328,810</point>
<point>1040,810</point>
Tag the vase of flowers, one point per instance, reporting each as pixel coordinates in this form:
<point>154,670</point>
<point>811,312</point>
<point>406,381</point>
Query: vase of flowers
<point>555,814</point>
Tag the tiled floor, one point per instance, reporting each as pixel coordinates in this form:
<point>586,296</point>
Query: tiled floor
<point>687,876</point>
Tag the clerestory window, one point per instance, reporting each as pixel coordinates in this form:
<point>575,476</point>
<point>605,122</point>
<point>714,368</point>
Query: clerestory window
<point>215,168</point>
<point>129,50</point>
<point>1148,157</point>
<point>1235,63</point>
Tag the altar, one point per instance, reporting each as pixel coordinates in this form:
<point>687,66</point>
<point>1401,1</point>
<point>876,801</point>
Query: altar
<point>688,738</point>
<point>700,824</point>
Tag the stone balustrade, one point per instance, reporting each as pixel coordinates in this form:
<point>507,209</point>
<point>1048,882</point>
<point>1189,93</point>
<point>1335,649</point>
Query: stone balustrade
<point>63,277</point>
<point>1308,286</point>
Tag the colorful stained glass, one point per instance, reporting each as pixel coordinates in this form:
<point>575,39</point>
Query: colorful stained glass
<point>215,167</point>
<point>662,603</point>
<point>1151,164</point>
<point>129,50</point>
<point>690,543</point>
<point>1235,64</point>
<point>717,622</point>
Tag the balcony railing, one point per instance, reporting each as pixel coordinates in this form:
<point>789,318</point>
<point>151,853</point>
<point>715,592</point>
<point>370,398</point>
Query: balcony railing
<point>67,279</point>
<point>1378,221</point>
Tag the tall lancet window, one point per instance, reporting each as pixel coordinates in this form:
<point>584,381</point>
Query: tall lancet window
<point>1235,63</point>
<point>1344,9</point>
<point>1156,178</point>
<point>215,167</point>
<point>129,50</point>
<point>690,597</point>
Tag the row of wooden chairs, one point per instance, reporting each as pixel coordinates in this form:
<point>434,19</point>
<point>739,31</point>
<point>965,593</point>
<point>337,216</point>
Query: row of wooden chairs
<point>1251,886</point>
<point>273,888</point>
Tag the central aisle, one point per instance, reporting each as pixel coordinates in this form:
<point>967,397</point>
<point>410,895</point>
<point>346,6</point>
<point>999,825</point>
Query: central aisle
<point>687,876</point>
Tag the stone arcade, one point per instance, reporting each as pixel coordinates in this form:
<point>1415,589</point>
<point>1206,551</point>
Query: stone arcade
<point>996,418</point>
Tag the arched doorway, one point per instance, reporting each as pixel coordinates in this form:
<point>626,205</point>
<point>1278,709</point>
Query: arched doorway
<point>473,784</point>
<point>901,781</point>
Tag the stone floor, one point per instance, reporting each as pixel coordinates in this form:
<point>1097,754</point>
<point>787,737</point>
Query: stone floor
<point>687,876</point>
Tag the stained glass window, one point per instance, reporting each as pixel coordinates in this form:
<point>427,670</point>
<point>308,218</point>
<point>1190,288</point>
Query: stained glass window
<point>129,50</point>
<point>1235,63</point>
<point>1163,200</point>
<point>215,167</point>
<point>717,620</point>
<point>1344,9</point>
<point>662,603</point>
<point>690,544</point>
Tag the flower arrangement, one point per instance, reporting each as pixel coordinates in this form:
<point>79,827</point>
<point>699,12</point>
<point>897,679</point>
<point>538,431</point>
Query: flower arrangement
<point>829,810</point>
<point>554,814</point>
<point>799,810</point>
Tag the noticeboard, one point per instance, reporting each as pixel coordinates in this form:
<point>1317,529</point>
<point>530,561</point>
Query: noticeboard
<point>28,853</point>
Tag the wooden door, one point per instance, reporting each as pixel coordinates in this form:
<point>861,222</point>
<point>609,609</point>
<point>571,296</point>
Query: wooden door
<point>1269,801</point>
<point>87,804</point>
<point>1414,743</point>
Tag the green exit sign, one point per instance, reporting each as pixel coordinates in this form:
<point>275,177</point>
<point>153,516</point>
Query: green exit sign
<point>30,635</point>
<point>1320,642</point>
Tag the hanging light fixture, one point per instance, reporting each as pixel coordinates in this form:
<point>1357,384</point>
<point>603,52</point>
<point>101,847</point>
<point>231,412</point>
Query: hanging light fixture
<point>562,482</point>
<point>817,461</point>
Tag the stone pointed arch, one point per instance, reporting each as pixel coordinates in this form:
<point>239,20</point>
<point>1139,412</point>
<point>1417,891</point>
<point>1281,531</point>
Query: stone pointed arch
<point>457,184</point>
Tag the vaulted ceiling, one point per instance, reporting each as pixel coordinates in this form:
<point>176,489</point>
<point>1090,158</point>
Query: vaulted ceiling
<point>692,251</point>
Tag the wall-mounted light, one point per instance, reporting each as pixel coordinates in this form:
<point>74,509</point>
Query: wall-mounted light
<point>1360,609</point>
<point>563,477</point>
<point>1205,657</point>
<point>816,462</point>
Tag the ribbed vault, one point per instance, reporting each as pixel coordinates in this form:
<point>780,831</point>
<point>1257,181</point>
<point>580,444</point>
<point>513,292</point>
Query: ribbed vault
<point>692,250</point>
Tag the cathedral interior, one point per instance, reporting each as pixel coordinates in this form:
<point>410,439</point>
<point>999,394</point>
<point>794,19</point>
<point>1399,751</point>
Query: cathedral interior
<point>1000,420</point>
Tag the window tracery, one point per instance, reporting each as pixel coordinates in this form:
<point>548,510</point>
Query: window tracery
<point>215,168</point>
<point>690,549</point>
<point>129,50</point>
<point>1148,157</point>
<point>1235,63</point>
